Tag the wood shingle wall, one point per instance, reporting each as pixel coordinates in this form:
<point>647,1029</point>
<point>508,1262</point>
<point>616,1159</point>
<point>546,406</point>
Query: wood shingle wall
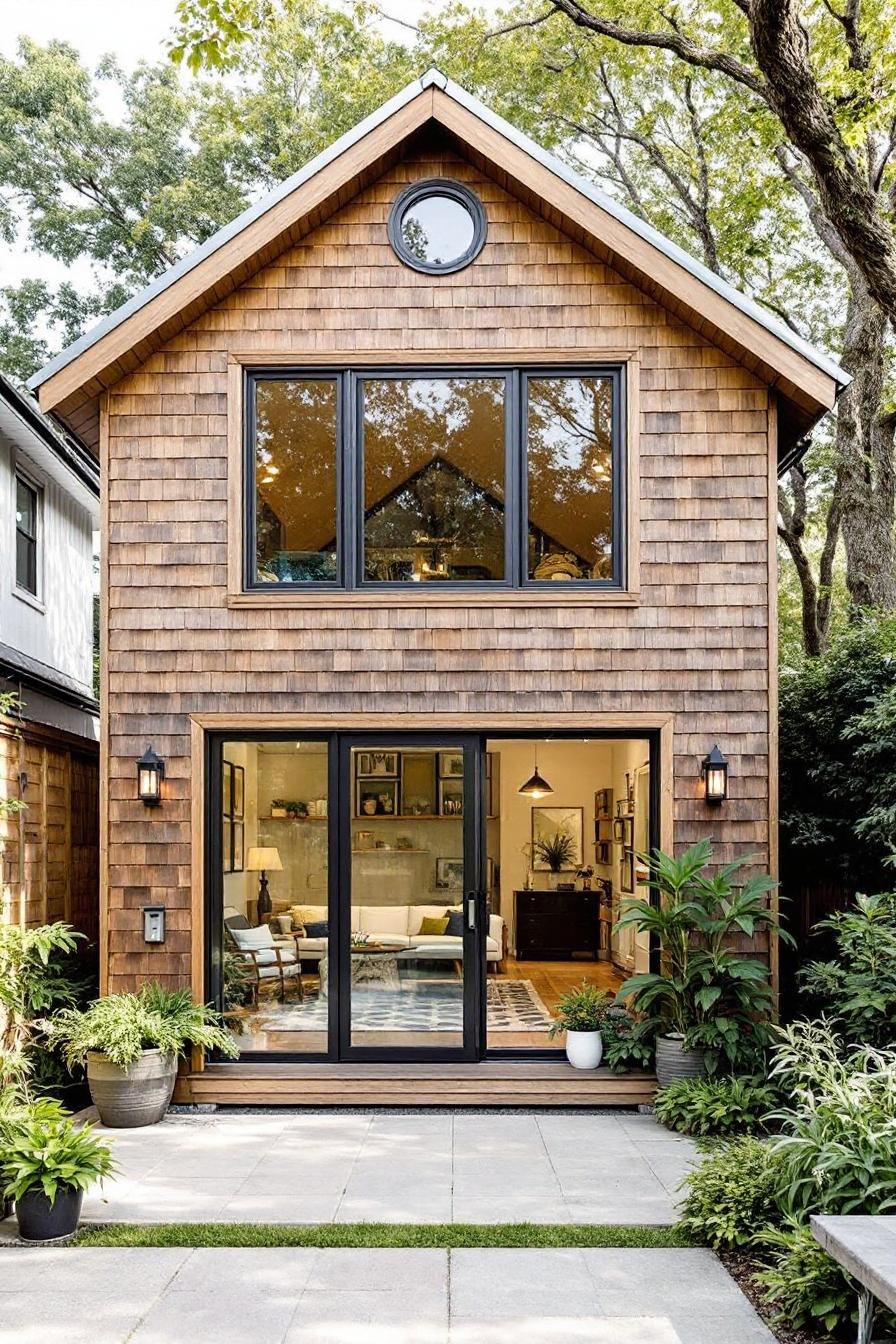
<point>696,644</point>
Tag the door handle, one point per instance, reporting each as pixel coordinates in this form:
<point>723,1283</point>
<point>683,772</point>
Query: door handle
<point>472,897</point>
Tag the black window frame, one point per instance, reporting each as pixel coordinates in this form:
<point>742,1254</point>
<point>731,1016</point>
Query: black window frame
<point>32,538</point>
<point>349,449</point>
<point>422,191</point>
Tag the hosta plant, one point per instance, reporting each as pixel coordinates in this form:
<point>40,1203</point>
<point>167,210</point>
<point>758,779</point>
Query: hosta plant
<point>50,1153</point>
<point>122,1026</point>
<point>629,1041</point>
<point>707,992</point>
<point>709,1107</point>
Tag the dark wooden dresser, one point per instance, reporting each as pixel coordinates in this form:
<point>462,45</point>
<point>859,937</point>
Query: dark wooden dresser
<point>556,924</point>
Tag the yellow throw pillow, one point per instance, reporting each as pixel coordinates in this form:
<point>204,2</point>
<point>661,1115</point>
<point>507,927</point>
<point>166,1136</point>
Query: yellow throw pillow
<point>433,925</point>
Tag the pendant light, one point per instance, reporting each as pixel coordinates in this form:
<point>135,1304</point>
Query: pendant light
<point>535,786</point>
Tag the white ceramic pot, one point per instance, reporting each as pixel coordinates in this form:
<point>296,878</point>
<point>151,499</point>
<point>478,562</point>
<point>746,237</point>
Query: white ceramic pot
<point>584,1049</point>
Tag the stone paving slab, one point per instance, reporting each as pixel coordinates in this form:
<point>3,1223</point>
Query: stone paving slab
<point>285,1295</point>
<point>313,1168</point>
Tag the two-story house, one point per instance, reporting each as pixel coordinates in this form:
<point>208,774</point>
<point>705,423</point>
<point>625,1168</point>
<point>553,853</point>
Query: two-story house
<point>439,521</point>
<point>49,736</point>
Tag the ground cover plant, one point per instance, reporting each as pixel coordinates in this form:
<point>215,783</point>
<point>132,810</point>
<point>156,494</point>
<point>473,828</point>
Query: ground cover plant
<point>707,1107</point>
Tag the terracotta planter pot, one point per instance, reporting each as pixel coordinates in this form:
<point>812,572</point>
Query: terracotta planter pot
<point>137,1095</point>
<point>39,1220</point>
<point>674,1062</point>
<point>584,1049</point>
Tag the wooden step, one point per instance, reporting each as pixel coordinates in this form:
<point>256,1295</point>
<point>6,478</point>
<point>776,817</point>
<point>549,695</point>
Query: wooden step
<point>514,1083</point>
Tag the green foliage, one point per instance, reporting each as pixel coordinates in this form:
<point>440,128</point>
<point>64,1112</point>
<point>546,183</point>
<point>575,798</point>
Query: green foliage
<point>49,1154</point>
<point>838,1131</point>
<point>858,989</point>
<point>805,1287</point>
<point>120,1026</point>
<point>731,1198</point>
<point>558,851</point>
<point>835,770</point>
<point>712,1107</point>
<point>10,705</point>
<point>36,978</point>
<point>715,998</point>
<point>584,1008</point>
<point>629,1041</point>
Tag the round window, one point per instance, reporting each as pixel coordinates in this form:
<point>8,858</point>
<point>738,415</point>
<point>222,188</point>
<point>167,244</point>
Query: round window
<point>437,226</point>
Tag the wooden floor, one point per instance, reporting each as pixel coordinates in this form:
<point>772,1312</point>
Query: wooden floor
<point>511,1083</point>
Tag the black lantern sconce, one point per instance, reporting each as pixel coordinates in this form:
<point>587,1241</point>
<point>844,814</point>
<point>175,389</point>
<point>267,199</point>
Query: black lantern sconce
<point>153,923</point>
<point>150,773</point>
<point>714,770</point>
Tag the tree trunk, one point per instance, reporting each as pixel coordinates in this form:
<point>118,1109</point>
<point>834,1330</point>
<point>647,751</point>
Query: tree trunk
<point>864,444</point>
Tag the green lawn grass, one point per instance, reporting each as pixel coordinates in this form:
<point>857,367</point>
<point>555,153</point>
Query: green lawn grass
<point>375,1235</point>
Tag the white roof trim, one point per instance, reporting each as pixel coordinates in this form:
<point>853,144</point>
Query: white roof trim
<point>435,78</point>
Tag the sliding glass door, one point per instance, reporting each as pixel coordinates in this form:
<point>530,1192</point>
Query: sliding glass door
<point>411,905</point>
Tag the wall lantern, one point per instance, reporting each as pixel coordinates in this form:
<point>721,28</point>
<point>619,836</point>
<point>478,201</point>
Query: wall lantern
<point>714,770</point>
<point>535,786</point>
<point>153,923</point>
<point>150,772</point>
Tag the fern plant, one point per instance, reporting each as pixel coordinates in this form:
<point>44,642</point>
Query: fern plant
<point>584,1008</point>
<point>122,1026</point>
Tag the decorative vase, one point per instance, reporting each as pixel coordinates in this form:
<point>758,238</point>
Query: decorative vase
<point>674,1062</point>
<point>39,1220</point>
<point>135,1096</point>
<point>584,1049</point>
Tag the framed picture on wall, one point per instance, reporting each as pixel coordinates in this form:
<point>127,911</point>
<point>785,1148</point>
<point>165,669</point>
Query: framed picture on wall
<point>451,765</point>
<point>227,788</point>
<point>238,859</point>
<point>623,831</point>
<point>239,790</point>
<point>627,871</point>
<point>449,874</point>
<point>374,764</point>
<point>227,843</point>
<point>548,825</point>
<point>603,804</point>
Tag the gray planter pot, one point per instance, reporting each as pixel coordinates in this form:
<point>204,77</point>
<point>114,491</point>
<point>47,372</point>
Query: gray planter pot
<point>137,1095</point>
<point>674,1062</point>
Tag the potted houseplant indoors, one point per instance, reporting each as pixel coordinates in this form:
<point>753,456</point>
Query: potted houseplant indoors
<point>558,851</point>
<point>708,1002</point>
<point>130,1044</point>
<point>46,1164</point>
<point>581,1013</point>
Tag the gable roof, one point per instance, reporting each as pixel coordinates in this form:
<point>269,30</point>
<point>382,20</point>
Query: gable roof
<point>808,380</point>
<point>56,452</point>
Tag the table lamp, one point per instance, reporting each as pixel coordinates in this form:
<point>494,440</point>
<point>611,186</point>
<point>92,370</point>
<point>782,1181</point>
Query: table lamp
<point>263,861</point>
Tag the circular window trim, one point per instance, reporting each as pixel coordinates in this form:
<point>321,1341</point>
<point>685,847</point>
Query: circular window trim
<point>421,191</point>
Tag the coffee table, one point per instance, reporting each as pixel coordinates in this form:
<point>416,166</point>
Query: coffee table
<point>372,963</point>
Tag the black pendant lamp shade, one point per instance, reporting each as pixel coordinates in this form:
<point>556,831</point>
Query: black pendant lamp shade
<point>535,786</point>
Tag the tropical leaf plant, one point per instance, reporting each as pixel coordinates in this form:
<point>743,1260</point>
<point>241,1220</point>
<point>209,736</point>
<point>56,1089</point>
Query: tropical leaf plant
<point>707,992</point>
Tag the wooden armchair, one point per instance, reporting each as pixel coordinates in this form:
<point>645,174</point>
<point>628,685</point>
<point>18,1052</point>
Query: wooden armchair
<point>271,963</point>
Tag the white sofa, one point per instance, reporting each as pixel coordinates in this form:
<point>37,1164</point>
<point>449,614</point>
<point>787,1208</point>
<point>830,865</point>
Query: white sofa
<point>400,924</point>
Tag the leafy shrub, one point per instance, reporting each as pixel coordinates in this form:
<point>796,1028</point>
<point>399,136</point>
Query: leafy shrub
<point>122,1025</point>
<point>732,1198</point>
<point>838,1139</point>
<point>858,989</point>
<point>584,1008</point>
<point>707,992</point>
<point>629,1041</point>
<point>806,1288</point>
<point>49,1153</point>
<point>715,1106</point>
<point>36,978</point>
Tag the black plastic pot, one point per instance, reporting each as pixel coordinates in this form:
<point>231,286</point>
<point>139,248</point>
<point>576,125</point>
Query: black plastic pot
<point>39,1220</point>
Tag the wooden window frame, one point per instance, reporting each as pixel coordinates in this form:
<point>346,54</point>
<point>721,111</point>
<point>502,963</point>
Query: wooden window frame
<point>513,590</point>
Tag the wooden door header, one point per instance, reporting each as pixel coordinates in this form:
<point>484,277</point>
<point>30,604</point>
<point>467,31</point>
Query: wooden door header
<point>807,380</point>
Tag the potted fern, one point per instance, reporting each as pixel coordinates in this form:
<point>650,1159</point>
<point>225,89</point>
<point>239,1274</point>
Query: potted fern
<point>557,851</point>
<point>581,1013</point>
<point>130,1044</point>
<point>46,1164</point>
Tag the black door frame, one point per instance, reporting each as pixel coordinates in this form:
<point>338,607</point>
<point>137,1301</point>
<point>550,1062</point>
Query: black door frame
<point>339,744</point>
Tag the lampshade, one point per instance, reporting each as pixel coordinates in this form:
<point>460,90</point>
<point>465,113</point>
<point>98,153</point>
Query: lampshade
<point>535,786</point>
<point>264,860</point>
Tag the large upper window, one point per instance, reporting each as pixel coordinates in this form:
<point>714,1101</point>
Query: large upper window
<point>489,478</point>
<point>27,506</point>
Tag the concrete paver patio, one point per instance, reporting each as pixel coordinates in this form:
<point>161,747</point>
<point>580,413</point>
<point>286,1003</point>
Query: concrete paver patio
<point>396,1168</point>
<point>283,1295</point>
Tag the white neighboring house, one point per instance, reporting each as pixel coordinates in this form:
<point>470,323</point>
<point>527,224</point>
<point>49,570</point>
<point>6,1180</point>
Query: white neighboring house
<point>49,515</point>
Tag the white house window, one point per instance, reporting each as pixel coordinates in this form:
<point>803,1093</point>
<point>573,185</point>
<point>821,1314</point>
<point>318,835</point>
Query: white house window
<point>27,524</point>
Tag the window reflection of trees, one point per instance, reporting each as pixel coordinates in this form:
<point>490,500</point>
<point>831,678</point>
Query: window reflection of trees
<point>295,474</point>
<point>434,479</point>
<point>570,477</point>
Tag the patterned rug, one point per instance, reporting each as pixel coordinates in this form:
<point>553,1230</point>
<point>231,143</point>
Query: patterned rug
<point>512,1005</point>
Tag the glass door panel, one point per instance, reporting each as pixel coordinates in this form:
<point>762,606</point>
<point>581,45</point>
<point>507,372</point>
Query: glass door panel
<point>411,963</point>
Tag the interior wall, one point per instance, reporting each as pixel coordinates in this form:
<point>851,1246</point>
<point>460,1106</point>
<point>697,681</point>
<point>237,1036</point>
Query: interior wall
<point>631,950</point>
<point>239,888</point>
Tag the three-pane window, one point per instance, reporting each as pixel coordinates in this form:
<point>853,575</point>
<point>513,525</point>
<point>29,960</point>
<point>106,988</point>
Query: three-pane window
<point>492,477</point>
<point>27,504</point>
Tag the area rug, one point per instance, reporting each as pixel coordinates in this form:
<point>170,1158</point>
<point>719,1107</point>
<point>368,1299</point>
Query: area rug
<point>418,1005</point>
